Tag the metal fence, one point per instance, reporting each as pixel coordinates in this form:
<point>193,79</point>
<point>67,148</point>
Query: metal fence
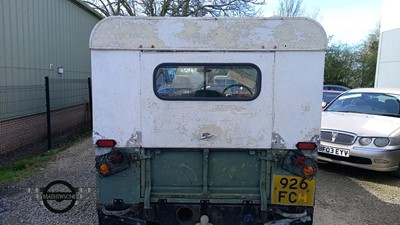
<point>65,93</point>
<point>21,100</point>
<point>34,118</point>
<point>25,100</point>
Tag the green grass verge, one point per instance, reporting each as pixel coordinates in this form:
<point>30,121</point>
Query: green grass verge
<point>23,168</point>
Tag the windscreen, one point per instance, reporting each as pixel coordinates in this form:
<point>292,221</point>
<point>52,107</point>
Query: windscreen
<point>369,103</point>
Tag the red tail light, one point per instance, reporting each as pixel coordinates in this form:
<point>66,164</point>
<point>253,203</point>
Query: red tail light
<point>299,161</point>
<point>113,162</point>
<point>106,143</point>
<point>116,157</point>
<point>306,145</point>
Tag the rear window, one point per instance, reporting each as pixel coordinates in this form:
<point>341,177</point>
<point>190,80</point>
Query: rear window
<point>207,81</point>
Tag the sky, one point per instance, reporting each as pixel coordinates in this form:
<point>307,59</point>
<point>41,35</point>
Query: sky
<point>348,21</point>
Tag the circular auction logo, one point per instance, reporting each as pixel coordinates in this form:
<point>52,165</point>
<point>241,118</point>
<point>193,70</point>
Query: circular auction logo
<point>59,196</point>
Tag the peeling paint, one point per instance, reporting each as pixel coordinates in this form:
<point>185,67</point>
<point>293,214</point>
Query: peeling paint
<point>277,141</point>
<point>312,135</point>
<point>135,140</point>
<point>315,138</point>
<point>208,33</point>
<point>97,136</point>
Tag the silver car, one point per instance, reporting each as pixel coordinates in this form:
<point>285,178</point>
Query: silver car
<point>361,128</point>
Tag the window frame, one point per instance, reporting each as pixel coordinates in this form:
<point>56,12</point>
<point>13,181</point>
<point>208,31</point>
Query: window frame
<point>207,98</point>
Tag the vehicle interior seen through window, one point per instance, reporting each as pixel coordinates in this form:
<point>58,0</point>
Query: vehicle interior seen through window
<point>207,82</point>
<point>369,103</point>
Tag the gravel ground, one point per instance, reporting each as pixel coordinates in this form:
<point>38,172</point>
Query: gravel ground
<point>74,165</point>
<point>344,196</point>
<point>351,196</point>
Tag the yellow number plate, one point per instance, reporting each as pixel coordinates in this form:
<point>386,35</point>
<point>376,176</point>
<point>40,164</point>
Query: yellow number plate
<point>292,190</point>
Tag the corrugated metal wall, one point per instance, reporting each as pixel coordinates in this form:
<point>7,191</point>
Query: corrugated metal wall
<point>36,37</point>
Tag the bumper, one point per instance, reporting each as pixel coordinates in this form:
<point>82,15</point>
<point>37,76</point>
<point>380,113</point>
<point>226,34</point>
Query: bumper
<point>365,158</point>
<point>361,166</point>
<point>189,214</point>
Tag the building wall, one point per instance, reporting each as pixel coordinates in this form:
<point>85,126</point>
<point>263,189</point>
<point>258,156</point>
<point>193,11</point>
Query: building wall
<point>388,64</point>
<point>37,37</point>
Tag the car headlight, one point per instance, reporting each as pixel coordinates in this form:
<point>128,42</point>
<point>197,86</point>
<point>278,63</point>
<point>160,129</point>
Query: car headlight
<point>381,142</point>
<point>365,141</point>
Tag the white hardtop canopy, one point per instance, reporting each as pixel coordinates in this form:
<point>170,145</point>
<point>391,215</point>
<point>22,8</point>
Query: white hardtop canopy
<point>207,33</point>
<point>289,53</point>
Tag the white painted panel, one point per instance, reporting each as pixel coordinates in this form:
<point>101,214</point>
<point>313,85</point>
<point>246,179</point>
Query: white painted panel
<point>298,97</point>
<point>390,47</point>
<point>388,75</point>
<point>235,124</point>
<point>388,65</point>
<point>116,96</point>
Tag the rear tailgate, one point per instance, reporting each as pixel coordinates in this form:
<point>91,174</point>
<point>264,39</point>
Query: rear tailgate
<point>216,175</point>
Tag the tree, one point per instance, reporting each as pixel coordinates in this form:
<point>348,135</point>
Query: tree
<point>292,8</point>
<point>216,8</point>
<point>340,62</point>
<point>367,56</point>
<point>352,66</point>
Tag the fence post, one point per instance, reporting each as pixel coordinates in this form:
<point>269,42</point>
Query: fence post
<point>90,102</point>
<point>48,113</point>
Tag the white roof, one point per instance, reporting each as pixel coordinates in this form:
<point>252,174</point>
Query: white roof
<point>207,33</point>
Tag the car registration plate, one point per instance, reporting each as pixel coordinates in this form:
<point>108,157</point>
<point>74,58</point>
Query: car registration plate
<point>334,151</point>
<point>292,190</point>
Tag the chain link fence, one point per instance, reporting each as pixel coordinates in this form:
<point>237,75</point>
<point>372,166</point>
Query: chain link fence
<point>35,118</point>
